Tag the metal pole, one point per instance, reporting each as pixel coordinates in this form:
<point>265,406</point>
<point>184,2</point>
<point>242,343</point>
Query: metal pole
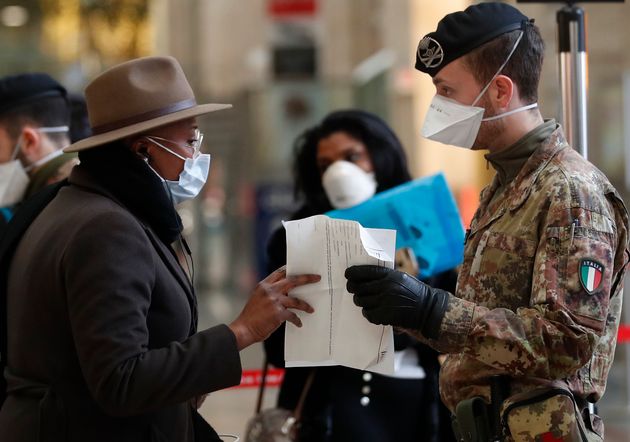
<point>572,51</point>
<point>573,76</point>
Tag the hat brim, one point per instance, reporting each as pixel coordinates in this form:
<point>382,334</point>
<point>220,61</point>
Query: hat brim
<point>133,129</point>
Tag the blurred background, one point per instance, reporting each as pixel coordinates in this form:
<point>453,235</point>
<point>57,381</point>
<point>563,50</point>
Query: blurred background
<point>284,64</point>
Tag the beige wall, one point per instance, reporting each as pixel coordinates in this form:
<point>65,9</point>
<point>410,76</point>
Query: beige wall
<point>225,49</point>
<point>220,43</point>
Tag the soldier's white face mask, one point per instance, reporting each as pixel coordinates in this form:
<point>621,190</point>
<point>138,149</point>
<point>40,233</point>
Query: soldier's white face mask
<point>347,185</point>
<point>456,124</point>
<point>13,177</point>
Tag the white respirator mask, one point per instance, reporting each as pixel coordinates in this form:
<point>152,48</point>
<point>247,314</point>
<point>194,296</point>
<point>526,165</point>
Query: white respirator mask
<point>13,183</point>
<point>13,175</point>
<point>347,185</point>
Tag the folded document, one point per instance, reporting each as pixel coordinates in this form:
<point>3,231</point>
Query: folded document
<point>336,333</point>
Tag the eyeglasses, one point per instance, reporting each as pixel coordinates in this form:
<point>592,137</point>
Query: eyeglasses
<point>194,147</point>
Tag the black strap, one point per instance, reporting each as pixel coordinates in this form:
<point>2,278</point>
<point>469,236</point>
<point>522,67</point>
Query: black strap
<point>499,392</point>
<point>11,236</point>
<point>261,387</point>
<point>297,413</point>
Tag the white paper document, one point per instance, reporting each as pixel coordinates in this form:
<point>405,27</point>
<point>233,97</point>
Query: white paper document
<point>336,333</point>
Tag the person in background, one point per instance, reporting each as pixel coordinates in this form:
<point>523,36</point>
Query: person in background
<point>79,121</point>
<point>341,162</point>
<point>34,125</point>
<point>102,340</point>
<point>531,329</point>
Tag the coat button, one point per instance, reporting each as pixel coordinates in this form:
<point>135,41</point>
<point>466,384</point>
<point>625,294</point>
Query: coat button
<point>367,377</point>
<point>366,389</point>
<point>365,401</point>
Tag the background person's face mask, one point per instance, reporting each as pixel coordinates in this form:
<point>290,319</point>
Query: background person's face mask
<point>13,183</point>
<point>347,185</point>
<point>13,175</point>
<point>13,179</point>
<point>191,179</point>
<point>456,124</point>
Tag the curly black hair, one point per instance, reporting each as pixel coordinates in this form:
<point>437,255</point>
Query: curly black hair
<point>385,150</point>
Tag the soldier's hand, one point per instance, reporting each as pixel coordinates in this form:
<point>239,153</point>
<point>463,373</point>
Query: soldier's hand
<point>395,298</point>
<point>268,307</point>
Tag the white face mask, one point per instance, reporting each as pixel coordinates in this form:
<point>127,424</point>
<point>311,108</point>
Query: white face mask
<point>13,183</point>
<point>13,175</point>
<point>347,185</point>
<point>13,179</point>
<point>456,124</point>
<point>191,179</point>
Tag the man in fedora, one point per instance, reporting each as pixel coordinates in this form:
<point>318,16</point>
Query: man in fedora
<point>34,120</point>
<point>102,340</point>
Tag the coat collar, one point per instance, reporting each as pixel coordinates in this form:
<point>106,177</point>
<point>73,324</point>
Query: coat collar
<point>81,178</point>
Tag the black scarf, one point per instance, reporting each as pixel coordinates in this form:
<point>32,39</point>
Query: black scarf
<point>130,180</point>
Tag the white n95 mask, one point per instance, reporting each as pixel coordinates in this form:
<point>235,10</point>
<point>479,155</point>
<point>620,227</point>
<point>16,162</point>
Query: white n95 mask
<point>453,123</point>
<point>13,175</point>
<point>13,179</point>
<point>456,124</point>
<point>347,185</point>
<point>13,183</point>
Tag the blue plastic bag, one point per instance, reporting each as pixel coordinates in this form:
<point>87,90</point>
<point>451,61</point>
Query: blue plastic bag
<point>424,214</point>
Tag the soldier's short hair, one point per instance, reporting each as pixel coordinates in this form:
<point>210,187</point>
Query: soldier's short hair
<point>524,66</point>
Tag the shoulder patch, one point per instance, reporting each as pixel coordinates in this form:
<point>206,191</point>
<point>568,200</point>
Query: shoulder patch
<point>591,275</point>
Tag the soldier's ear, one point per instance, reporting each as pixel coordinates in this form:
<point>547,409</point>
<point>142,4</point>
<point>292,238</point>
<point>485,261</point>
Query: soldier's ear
<point>501,92</point>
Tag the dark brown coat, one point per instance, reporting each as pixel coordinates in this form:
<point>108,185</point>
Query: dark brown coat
<point>101,321</point>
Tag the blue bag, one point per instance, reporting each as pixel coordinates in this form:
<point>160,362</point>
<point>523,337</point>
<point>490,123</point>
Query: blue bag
<point>425,217</point>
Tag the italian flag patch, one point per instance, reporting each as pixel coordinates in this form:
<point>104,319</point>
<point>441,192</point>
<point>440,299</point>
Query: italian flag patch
<point>591,273</point>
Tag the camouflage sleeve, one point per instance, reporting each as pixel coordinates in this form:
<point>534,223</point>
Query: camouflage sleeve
<point>456,326</point>
<point>579,262</point>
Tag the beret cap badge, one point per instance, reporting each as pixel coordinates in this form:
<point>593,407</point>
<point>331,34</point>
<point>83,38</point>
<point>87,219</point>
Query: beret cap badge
<point>430,52</point>
<point>460,32</point>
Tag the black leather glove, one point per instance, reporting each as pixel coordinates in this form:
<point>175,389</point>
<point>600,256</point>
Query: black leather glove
<point>395,298</point>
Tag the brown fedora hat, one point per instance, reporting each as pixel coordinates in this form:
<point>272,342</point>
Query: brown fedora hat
<point>136,96</point>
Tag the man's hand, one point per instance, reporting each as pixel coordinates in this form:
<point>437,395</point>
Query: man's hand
<point>395,298</point>
<point>267,307</point>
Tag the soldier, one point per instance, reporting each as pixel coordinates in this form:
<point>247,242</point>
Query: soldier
<point>34,119</point>
<point>531,329</point>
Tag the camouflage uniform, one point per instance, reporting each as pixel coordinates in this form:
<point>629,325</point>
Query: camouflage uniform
<point>522,308</point>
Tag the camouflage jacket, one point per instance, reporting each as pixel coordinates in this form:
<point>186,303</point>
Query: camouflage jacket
<point>539,292</point>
